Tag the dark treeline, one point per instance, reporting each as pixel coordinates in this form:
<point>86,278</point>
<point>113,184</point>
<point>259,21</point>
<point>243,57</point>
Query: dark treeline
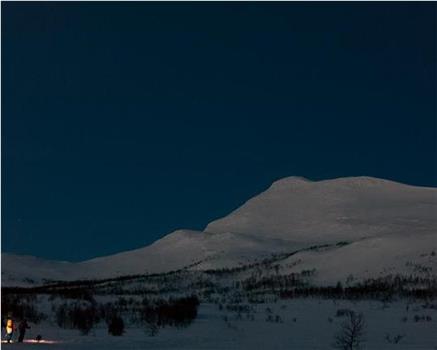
<point>274,282</point>
<point>178,312</point>
<point>371,289</point>
<point>21,307</point>
<point>81,315</point>
<point>78,316</point>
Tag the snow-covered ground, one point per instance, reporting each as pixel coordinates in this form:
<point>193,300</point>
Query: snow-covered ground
<point>304,324</point>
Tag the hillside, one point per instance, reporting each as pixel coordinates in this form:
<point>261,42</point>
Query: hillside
<point>369,227</point>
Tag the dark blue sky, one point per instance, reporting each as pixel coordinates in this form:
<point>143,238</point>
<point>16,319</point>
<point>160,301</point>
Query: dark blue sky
<point>124,121</point>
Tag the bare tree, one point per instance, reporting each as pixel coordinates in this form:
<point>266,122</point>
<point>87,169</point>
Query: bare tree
<point>351,334</point>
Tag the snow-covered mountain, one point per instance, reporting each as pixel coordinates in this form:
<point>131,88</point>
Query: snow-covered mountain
<point>369,227</point>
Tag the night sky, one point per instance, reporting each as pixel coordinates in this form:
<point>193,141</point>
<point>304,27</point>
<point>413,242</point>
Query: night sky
<point>122,122</point>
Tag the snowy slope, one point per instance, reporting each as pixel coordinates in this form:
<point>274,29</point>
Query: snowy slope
<point>385,223</point>
<point>369,258</point>
<point>20,270</point>
<point>334,210</point>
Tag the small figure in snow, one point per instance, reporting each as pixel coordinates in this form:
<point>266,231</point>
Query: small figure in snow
<point>10,328</point>
<point>22,329</point>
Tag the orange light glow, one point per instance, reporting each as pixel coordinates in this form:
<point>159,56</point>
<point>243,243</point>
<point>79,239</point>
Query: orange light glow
<point>42,341</point>
<point>34,341</point>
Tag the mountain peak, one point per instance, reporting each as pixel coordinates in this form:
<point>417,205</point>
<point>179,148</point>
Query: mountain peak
<point>290,181</point>
<point>358,181</point>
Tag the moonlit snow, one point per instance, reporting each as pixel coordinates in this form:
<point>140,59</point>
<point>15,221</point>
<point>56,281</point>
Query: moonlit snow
<point>384,223</point>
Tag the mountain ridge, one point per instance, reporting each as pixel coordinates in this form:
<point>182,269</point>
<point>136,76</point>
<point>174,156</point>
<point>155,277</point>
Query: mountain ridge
<point>293,214</point>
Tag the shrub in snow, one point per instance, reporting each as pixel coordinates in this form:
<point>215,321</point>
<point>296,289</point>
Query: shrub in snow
<point>395,339</point>
<point>116,326</point>
<point>423,318</point>
<point>351,334</point>
<point>343,312</point>
<point>152,328</point>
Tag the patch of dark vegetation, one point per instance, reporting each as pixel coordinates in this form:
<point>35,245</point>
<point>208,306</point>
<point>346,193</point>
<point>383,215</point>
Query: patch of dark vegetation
<point>21,307</point>
<point>179,312</point>
<point>382,289</point>
<point>343,312</point>
<point>79,315</point>
<point>422,318</point>
<point>115,325</point>
<point>279,282</point>
<point>75,293</point>
<point>157,313</point>
<point>395,339</point>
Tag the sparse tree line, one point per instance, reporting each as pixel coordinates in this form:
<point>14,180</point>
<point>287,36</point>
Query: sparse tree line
<point>22,307</point>
<point>139,301</point>
<point>381,288</point>
<point>79,310</point>
<point>274,282</point>
<point>174,312</point>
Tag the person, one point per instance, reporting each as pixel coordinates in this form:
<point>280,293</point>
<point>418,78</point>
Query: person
<point>10,328</point>
<point>22,329</point>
